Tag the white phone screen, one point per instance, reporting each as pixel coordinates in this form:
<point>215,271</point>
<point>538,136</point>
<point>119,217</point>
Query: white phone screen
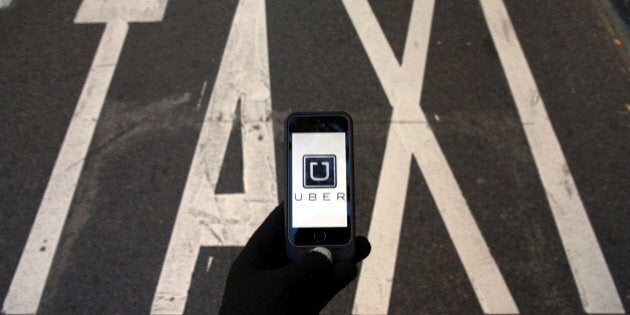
<point>319,185</point>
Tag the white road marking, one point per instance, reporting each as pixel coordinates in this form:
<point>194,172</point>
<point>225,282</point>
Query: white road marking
<point>5,3</point>
<point>205,218</point>
<point>32,271</point>
<point>594,282</point>
<point>410,135</point>
<point>99,11</point>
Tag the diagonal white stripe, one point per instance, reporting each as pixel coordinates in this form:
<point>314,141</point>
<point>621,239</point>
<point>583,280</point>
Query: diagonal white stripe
<point>30,277</point>
<point>594,282</point>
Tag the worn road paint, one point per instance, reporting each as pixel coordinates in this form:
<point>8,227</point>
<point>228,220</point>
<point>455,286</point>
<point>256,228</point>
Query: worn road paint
<point>30,277</point>
<point>410,135</point>
<point>202,94</point>
<point>5,3</point>
<point>205,218</point>
<point>590,271</point>
<point>99,11</point>
<point>32,271</point>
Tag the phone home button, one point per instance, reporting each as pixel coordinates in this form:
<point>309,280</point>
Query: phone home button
<point>319,237</point>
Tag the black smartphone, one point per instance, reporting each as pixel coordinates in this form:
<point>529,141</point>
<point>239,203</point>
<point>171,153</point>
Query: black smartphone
<point>319,204</point>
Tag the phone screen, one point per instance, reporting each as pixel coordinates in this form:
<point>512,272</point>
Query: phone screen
<point>318,180</point>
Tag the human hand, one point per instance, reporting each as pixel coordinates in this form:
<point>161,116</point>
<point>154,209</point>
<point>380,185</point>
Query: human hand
<point>263,281</point>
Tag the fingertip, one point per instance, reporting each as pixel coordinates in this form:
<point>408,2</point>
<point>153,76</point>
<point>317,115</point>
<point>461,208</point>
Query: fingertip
<point>315,262</point>
<point>324,251</point>
<point>362,248</point>
<point>272,228</point>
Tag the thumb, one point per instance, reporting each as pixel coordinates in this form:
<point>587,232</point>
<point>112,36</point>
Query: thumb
<point>311,270</point>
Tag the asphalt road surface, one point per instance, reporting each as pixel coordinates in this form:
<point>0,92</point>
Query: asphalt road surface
<point>142,143</point>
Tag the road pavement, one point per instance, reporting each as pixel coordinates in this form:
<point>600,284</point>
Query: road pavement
<point>142,143</point>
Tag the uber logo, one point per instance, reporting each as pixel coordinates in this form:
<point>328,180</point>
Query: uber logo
<point>320,171</point>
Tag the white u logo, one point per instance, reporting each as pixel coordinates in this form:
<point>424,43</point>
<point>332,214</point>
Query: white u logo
<point>320,179</point>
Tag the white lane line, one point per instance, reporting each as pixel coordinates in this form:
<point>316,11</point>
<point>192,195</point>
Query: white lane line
<point>377,272</point>
<point>30,277</point>
<point>410,135</point>
<point>205,218</point>
<point>594,282</point>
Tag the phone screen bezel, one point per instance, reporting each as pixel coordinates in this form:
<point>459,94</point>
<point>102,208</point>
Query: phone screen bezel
<point>320,122</point>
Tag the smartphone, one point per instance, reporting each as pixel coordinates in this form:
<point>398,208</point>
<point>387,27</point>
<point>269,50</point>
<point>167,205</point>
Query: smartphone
<point>319,204</point>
